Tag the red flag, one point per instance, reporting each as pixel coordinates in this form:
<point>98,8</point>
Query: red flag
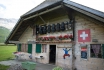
<point>84,35</point>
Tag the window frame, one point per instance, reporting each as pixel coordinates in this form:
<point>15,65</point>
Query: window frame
<point>83,46</point>
<point>100,51</point>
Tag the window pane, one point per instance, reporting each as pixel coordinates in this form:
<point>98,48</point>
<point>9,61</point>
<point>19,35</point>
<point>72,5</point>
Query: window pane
<point>95,51</point>
<point>44,48</point>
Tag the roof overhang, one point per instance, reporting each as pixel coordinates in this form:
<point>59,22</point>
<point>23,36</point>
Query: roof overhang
<point>21,25</point>
<point>44,12</point>
<point>26,19</point>
<point>85,10</point>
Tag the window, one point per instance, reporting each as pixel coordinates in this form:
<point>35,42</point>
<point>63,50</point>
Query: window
<point>44,48</point>
<point>41,48</point>
<point>24,47</point>
<point>103,51</point>
<point>84,52</point>
<point>96,51</point>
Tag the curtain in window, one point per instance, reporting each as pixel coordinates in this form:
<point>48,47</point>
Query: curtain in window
<point>24,47</point>
<point>44,48</point>
<point>96,49</point>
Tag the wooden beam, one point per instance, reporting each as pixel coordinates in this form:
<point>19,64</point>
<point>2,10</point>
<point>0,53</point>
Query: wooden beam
<point>43,12</point>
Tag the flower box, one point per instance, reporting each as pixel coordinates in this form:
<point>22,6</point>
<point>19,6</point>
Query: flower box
<point>60,37</point>
<point>66,36</point>
<point>52,38</point>
<point>46,38</point>
<point>39,38</point>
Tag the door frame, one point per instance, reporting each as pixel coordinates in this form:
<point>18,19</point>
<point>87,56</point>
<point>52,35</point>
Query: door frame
<point>55,53</point>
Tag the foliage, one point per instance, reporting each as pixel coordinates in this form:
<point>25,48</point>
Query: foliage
<point>4,32</point>
<point>3,67</point>
<point>6,52</point>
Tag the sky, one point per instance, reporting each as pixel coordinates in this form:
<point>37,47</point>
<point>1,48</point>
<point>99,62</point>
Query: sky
<point>16,8</point>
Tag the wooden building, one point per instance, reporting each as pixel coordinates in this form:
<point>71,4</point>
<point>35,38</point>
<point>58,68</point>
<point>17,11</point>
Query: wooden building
<point>63,33</point>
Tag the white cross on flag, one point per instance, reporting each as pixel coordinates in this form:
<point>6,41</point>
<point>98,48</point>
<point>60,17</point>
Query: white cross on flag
<point>84,35</point>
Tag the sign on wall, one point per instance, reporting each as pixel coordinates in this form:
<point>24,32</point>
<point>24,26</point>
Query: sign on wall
<point>84,52</point>
<point>84,35</point>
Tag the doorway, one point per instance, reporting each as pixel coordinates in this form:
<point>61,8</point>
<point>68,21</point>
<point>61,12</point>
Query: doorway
<point>52,54</point>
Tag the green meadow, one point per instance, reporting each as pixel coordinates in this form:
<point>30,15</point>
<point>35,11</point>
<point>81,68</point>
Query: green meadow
<point>6,54</point>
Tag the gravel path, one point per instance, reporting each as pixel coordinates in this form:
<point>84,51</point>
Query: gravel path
<point>10,62</point>
<point>16,65</point>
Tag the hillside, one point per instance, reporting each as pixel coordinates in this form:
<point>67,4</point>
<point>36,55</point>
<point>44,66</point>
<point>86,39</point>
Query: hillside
<point>8,23</point>
<point>4,32</point>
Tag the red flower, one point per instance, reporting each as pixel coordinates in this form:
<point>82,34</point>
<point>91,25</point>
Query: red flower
<point>61,37</point>
<point>46,38</point>
<point>52,37</point>
<point>70,36</point>
<point>66,36</point>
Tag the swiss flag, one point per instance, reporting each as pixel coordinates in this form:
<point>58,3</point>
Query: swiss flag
<point>84,35</point>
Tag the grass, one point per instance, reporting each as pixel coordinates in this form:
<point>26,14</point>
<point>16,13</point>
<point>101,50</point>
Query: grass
<point>6,52</point>
<point>4,32</point>
<point>2,67</point>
